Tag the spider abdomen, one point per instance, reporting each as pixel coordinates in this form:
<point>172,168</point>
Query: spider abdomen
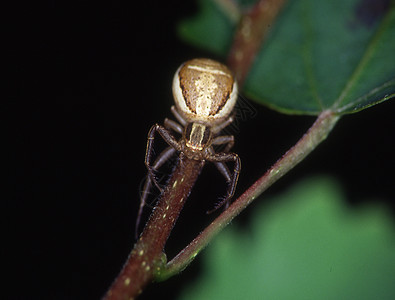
<point>204,91</point>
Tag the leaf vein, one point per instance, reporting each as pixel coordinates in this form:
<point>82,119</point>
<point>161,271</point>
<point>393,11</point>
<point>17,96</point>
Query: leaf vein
<point>307,56</point>
<point>362,63</point>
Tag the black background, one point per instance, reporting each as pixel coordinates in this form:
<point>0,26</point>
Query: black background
<point>87,81</point>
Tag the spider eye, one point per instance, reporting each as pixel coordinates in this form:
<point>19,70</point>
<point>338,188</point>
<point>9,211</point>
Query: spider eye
<point>204,90</point>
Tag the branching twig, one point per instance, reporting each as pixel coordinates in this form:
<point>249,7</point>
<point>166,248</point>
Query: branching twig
<point>314,136</point>
<point>147,260</point>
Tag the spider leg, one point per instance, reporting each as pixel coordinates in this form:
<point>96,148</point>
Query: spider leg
<point>224,124</point>
<point>169,139</point>
<point>170,124</point>
<point>224,170</point>
<point>219,159</point>
<point>179,118</point>
<point>221,166</point>
<point>160,160</point>
<point>164,156</point>
<point>224,139</point>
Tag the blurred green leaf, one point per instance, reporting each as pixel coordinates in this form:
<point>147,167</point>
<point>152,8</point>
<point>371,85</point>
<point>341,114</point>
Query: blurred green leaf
<point>211,29</point>
<point>305,245</point>
<point>319,55</point>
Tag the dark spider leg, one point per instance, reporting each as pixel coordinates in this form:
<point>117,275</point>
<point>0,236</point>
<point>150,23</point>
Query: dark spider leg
<point>221,166</point>
<point>222,158</point>
<point>224,139</point>
<point>179,118</point>
<point>160,160</point>
<point>168,137</point>
<point>222,125</point>
<point>224,170</point>
<point>170,124</point>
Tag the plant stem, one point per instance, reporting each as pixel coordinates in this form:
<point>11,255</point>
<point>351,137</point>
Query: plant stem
<point>250,34</point>
<point>147,261</point>
<point>147,257</point>
<point>311,139</point>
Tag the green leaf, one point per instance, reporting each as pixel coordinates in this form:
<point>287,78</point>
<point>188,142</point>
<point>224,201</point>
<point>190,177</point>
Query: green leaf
<point>326,55</point>
<point>319,55</point>
<point>307,244</point>
<point>210,29</point>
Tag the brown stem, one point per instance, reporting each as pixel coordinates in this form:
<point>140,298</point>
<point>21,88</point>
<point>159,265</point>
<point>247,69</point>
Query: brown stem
<point>147,260</point>
<point>313,137</point>
<point>147,257</point>
<point>250,34</point>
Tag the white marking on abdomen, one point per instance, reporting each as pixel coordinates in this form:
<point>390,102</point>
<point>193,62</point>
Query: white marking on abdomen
<point>212,71</point>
